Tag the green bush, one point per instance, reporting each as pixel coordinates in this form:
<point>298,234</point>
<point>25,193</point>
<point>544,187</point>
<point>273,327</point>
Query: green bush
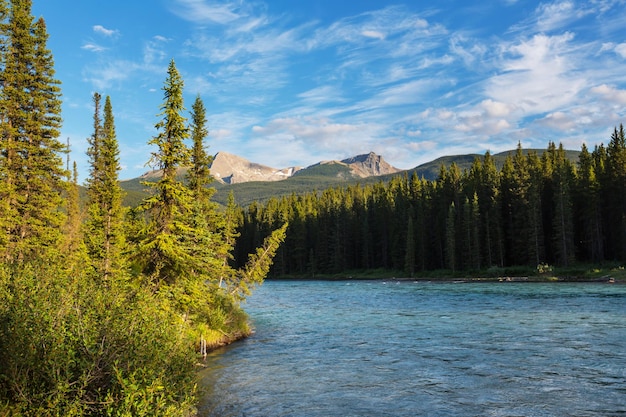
<point>72,347</point>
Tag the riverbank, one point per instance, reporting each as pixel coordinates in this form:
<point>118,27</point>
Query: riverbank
<point>542,273</point>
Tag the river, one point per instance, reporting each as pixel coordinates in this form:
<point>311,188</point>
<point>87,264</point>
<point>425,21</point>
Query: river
<point>373,348</point>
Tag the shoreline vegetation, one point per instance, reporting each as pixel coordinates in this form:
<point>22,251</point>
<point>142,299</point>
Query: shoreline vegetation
<point>583,273</point>
<point>106,309</point>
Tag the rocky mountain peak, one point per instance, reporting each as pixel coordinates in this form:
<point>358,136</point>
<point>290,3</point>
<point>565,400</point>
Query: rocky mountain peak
<point>370,164</point>
<point>233,169</point>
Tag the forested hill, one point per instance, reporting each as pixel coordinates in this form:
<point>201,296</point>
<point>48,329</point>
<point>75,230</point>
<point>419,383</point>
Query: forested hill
<point>431,170</point>
<point>325,175</point>
<point>501,211</point>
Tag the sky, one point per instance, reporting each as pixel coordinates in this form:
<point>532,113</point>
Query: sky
<point>291,83</point>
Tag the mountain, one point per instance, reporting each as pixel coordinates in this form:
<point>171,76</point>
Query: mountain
<point>252,181</point>
<point>232,169</point>
<point>360,166</point>
<point>245,179</point>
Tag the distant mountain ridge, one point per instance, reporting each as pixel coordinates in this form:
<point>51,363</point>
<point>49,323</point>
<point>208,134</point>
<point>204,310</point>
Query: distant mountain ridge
<point>231,169</point>
<point>250,181</point>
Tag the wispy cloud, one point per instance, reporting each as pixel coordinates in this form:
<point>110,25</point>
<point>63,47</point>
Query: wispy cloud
<point>551,16</point>
<point>93,47</point>
<point>611,94</point>
<point>321,136</point>
<point>539,75</point>
<point>202,11</point>
<point>105,32</point>
<point>621,49</point>
<point>104,75</point>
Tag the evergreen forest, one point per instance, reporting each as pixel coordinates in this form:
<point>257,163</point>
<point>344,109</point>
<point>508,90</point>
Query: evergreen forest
<point>535,212</point>
<point>104,310</point>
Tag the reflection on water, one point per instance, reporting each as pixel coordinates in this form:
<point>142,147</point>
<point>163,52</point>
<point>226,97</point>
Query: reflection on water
<point>406,349</point>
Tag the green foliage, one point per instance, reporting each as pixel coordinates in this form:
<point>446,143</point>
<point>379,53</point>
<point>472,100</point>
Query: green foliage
<point>104,235</point>
<point>543,269</point>
<point>32,168</point>
<point>164,253</point>
<point>258,264</point>
<point>72,347</point>
<point>119,338</point>
<point>198,175</point>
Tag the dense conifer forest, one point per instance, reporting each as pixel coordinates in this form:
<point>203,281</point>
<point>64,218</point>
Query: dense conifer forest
<point>536,211</point>
<point>106,310</point>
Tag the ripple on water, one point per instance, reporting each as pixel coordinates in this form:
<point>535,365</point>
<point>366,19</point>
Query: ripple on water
<point>370,349</point>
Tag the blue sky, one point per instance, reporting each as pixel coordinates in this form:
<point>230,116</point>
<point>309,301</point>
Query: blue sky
<point>290,83</point>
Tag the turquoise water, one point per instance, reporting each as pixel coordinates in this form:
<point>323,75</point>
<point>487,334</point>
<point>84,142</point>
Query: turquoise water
<point>425,349</point>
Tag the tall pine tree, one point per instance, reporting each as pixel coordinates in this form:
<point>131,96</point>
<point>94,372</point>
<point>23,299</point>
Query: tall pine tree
<point>162,254</point>
<point>32,165</point>
<point>105,225</point>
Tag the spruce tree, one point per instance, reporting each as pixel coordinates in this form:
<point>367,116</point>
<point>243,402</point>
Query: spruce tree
<point>229,234</point>
<point>74,247</point>
<point>451,245</point>
<point>409,257</point>
<point>536,237</point>
<point>105,226</point>
<point>615,194</point>
<point>563,220</point>
<point>162,253</point>
<point>588,208</point>
<point>198,175</point>
<point>31,152</point>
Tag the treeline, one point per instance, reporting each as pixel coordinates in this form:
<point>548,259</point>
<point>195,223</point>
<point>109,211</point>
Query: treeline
<point>105,311</point>
<point>534,210</point>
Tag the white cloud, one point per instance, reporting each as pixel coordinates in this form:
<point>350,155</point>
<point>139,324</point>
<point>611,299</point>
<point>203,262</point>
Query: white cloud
<point>104,31</point>
<point>374,34</point>
<point>153,51</point>
<point>555,15</point>
<point>444,115</point>
<point>537,78</point>
<point>93,47</point>
<point>402,93</point>
<point>319,130</point>
<point>104,75</point>
<point>478,124</point>
<point>470,51</point>
<point>559,121</point>
<point>321,95</point>
<point>621,50</point>
<point>496,108</point>
<point>202,11</point>
<point>426,145</point>
<point>323,137</point>
<point>220,134</point>
<point>610,94</point>
<point>406,31</point>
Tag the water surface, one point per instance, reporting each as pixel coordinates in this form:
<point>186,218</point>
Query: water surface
<point>364,348</point>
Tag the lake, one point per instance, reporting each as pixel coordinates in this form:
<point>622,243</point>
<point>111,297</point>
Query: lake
<point>373,348</point>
